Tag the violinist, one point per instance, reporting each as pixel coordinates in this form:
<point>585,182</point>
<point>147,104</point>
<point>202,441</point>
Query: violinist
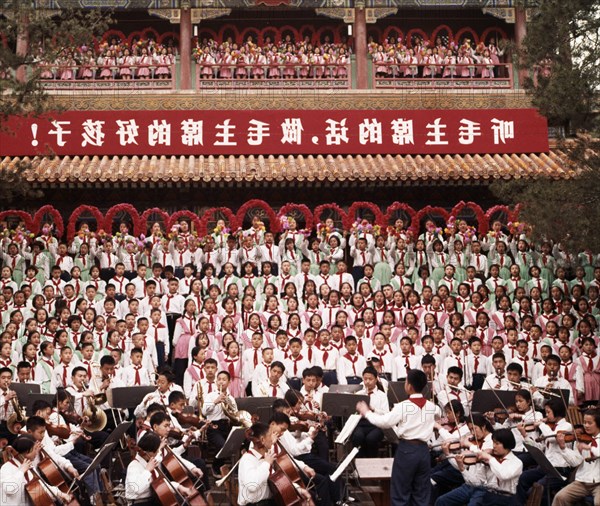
<point>454,390</point>
<point>161,424</point>
<point>366,435</point>
<point>142,472</point>
<point>6,402</point>
<point>586,457</point>
<point>481,439</point>
<point>494,483</point>
<point>453,430</point>
<point>553,424</point>
<point>327,492</point>
<point>18,471</point>
<point>66,448</point>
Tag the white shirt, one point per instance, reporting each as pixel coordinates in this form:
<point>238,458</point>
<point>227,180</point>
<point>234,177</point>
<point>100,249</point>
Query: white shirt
<point>12,484</point>
<point>129,377</point>
<point>408,420</point>
<point>265,389</point>
<point>587,472</point>
<point>378,400</point>
<point>253,475</point>
<point>347,367</point>
<point>501,475</point>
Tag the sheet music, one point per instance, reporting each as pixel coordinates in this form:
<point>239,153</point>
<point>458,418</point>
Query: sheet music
<point>348,429</point>
<point>344,464</point>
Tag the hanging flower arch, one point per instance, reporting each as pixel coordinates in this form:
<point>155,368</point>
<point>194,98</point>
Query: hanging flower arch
<point>164,216</point>
<point>495,210</point>
<point>126,208</point>
<point>230,218</point>
<point>514,215</point>
<point>329,207</point>
<point>261,204</point>
<point>482,221</point>
<point>93,210</point>
<point>185,214</point>
<point>428,210</point>
<point>22,215</point>
<point>57,220</point>
<point>302,209</point>
<point>398,206</point>
<point>356,206</point>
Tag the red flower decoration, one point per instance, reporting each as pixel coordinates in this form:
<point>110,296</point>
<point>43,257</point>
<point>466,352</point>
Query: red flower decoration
<point>254,203</point>
<point>352,212</point>
<point>288,208</point>
<point>183,214</point>
<point>22,215</point>
<point>94,211</point>
<point>482,222</point>
<point>231,220</point>
<point>164,216</point>
<point>495,210</point>
<point>429,210</point>
<point>131,211</point>
<point>330,207</point>
<point>514,216</point>
<point>57,220</point>
<point>398,206</point>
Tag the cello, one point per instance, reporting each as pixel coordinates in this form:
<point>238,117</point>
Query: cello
<point>54,476</point>
<point>161,486</point>
<point>179,473</point>
<point>285,481</point>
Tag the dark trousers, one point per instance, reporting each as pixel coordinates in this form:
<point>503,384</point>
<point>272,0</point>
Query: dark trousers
<point>321,446</point>
<point>216,438</point>
<point>478,380</point>
<point>410,475</point>
<point>171,319</point>
<point>526,458</point>
<point>358,272</point>
<point>81,463</point>
<point>160,353</point>
<point>107,274</point>
<point>474,496</point>
<point>179,367</point>
<point>5,434</point>
<point>330,378</point>
<point>537,475</point>
<point>446,478</point>
<point>200,464</point>
<point>367,437</point>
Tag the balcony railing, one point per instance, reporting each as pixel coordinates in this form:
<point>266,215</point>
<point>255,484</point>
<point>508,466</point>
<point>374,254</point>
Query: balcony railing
<point>286,75</point>
<point>398,75</point>
<point>70,77</point>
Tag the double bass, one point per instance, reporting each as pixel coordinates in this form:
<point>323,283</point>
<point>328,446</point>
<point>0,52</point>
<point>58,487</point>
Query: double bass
<point>53,476</point>
<point>178,472</point>
<point>285,481</point>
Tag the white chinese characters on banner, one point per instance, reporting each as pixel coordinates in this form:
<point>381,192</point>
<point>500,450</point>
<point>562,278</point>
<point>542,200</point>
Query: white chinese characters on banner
<point>383,135</point>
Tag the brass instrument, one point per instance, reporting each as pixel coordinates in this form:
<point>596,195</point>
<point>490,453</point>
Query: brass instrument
<point>18,418</point>
<point>237,417</point>
<point>99,398</point>
<point>199,397</point>
<point>97,417</point>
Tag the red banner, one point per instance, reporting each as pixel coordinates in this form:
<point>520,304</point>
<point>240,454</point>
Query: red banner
<point>277,132</point>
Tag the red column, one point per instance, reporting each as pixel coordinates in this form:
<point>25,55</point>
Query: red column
<point>520,33</point>
<point>23,45</point>
<point>360,48</point>
<point>185,49</point>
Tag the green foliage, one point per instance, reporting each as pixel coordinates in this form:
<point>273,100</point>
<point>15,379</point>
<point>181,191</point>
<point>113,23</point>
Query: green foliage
<point>49,34</point>
<point>561,49</point>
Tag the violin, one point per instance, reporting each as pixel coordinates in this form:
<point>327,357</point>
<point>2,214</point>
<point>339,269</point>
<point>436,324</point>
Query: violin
<point>176,470</point>
<point>60,431</point>
<point>190,420</point>
<point>72,417</point>
<point>469,459</point>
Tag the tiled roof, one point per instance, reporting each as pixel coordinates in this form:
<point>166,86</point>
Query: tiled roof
<point>203,170</point>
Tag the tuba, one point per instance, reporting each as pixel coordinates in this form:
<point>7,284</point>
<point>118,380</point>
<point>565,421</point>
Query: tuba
<point>17,420</point>
<point>237,417</point>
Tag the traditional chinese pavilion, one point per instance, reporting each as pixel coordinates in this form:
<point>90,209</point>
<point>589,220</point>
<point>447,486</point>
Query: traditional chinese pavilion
<point>198,139</point>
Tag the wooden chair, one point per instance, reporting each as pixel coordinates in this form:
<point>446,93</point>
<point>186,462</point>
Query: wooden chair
<point>574,415</point>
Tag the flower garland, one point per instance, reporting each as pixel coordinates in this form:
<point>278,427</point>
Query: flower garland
<point>248,206</point>
<point>398,206</point>
<point>164,216</point>
<point>495,210</point>
<point>57,220</point>
<point>351,217</point>
<point>482,222</point>
<point>428,210</point>
<point>22,215</point>
<point>131,211</point>
<point>93,210</point>
<point>176,217</point>
<point>230,218</point>
<point>329,207</point>
<point>303,209</point>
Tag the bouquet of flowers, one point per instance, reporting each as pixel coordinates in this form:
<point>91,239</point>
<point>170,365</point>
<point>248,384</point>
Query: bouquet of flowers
<point>450,226</point>
<point>221,230</point>
<point>362,227</point>
<point>174,232</point>
<point>285,223</point>
<point>103,236</point>
<point>470,234</point>
<point>518,227</point>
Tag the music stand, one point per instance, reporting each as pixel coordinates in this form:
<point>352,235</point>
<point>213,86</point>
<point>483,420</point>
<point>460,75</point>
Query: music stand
<point>127,397</point>
<point>562,393</point>
<point>100,456</point>
<point>344,389</point>
<point>255,405</point>
<point>488,400</point>
<point>545,465</point>
<point>118,432</point>
<point>396,392</point>
<point>31,398</point>
<point>233,443</point>
<point>342,404</point>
